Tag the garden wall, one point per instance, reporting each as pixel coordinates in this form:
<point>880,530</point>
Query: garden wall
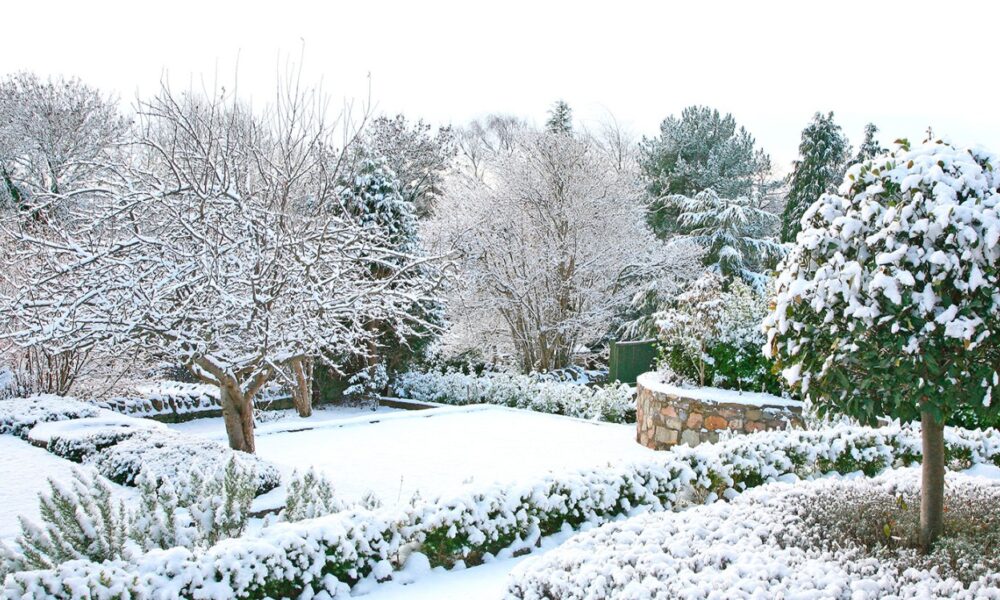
<point>667,415</point>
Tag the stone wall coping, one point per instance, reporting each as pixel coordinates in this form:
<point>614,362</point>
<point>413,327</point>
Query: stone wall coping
<point>653,381</point>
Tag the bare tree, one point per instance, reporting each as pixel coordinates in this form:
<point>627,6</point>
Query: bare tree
<point>552,240</point>
<point>225,249</point>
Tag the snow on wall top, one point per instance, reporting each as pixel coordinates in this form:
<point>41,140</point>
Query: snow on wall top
<point>654,382</point>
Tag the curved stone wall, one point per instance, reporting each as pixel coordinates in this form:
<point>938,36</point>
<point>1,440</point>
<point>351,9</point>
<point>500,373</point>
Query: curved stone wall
<point>667,415</point>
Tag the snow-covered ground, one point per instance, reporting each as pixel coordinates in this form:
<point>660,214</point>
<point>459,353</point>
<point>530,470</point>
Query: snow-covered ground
<point>436,451</point>
<point>24,472</point>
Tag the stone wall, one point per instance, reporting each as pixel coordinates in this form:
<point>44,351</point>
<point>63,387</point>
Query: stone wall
<point>666,416</point>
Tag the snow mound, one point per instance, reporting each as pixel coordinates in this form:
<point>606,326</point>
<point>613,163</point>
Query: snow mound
<point>19,415</point>
<point>736,547</point>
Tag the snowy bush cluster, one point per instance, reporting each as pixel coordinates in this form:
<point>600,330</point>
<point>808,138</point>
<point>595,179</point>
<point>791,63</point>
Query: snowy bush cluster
<point>613,403</point>
<point>758,546</point>
<point>333,552</point>
<point>19,415</point>
<point>121,447</point>
<point>179,398</point>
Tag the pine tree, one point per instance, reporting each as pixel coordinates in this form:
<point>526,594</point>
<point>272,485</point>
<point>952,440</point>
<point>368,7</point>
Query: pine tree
<point>560,118</point>
<point>700,150</point>
<point>870,148</point>
<point>824,153</point>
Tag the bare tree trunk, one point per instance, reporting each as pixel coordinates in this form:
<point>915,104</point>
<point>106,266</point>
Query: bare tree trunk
<point>302,390</point>
<point>237,413</point>
<point>932,480</point>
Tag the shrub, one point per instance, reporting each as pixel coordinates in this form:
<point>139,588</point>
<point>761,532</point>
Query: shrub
<point>166,454</point>
<point>310,496</point>
<point>612,403</point>
<point>19,415</point>
<point>776,542</point>
<point>332,552</point>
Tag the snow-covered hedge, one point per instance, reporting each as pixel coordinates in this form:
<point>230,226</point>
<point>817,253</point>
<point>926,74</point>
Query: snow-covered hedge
<point>330,553</point>
<point>755,547</point>
<point>179,398</point>
<point>166,454</point>
<point>77,439</point>
<point>19,415</point>
<point>614,403</point>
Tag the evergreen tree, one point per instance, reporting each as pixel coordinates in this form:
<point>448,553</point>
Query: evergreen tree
<point>374,198</point>
<point>737,234</point>
<point>560,118</point>
<point>870,148</point>
<point>702,149</point>
<point>823,156</point>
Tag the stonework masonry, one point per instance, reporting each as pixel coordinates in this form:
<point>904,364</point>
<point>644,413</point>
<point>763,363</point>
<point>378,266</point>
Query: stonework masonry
<point>665,420</point>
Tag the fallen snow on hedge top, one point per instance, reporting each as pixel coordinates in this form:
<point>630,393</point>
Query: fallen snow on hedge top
<point>177,397</point>
<point>43,433</point>
<point>654,381</point>
<point>735,550</point>
<point>19,415</point>
<point>330,553</point>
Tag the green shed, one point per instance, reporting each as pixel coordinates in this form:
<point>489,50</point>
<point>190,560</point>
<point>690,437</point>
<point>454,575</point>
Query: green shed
<point>630,359</point>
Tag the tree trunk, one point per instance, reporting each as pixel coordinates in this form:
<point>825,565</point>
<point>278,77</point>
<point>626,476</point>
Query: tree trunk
<point>932,480</point>
<point>237,413</point>
<point>302,390</point>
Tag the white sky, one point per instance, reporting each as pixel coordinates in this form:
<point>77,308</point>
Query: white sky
<point>904,65</point>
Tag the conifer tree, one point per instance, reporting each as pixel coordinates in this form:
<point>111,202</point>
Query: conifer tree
<point>823,156</point>
<point>870,148</point>
<point>560,118</point>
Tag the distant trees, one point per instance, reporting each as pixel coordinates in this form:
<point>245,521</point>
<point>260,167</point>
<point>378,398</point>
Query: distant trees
<point>560,118</point>
<point>700,150</point>
<point>59,142</point>
<point>551,242</point>
<point>824,154</point>
<point>226,247</point>
<point>737,234</point>
<point>418,157</point>
<point>870,146</point>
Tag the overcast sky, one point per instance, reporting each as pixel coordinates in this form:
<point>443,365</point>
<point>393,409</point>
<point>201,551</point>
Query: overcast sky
<point>902,65</point>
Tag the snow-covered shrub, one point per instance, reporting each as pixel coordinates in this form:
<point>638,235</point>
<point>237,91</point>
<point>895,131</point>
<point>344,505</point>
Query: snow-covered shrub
<point>80,520</point>
<point>181,398</point>
<point>19,415</point>
<point>332,552</point>
<point>76,439</point>
<point>167,454</point>
<point>759,546</point>
<point>711,335</point>
<point>613,403</point>
<point>310,496</point>
<point>367,382</point>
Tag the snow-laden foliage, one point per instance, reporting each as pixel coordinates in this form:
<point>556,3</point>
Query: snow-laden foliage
<point>738,234</point>
<point>330,553</point>
<point>711,335</point>
<point>222,244</point>
<point>551,244</point>
<point>613,403</point>
<point>82,520</point>
<point>824,154</point>
<point>888,303</point>
<point>19,415</point>
<point>310,495</point>
<point>758,546</point>
<point>180,398</point>
<point>167,454</point>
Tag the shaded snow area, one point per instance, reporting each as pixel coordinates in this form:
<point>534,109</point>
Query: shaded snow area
<point>438,451</point>
<point>24,472</point>
<point>654,381</point>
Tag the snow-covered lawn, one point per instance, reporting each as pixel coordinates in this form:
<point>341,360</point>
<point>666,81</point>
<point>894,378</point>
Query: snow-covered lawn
<point>24,472</point>
<point>436,451</point>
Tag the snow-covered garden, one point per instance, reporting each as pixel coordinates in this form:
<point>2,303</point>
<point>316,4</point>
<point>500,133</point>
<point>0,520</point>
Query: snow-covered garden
<point>270,352</point>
